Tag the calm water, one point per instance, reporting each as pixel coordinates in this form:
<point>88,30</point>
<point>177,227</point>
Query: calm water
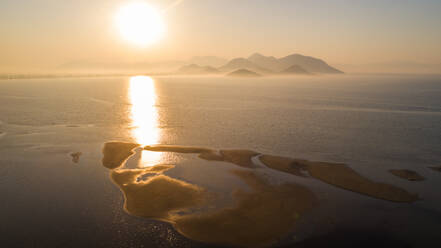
<point>372,123</point>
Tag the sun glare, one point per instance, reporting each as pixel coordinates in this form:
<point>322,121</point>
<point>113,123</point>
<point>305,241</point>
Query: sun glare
<point>140,23</point>
<point>144,115</point>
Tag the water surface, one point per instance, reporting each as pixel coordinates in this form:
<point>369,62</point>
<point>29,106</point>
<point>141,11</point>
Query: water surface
<point>371,123</point>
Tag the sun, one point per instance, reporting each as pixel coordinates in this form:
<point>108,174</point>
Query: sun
<point>140,23</point>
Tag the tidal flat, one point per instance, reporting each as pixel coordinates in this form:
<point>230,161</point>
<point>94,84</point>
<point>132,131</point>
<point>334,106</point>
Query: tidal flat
<point>255,218</point>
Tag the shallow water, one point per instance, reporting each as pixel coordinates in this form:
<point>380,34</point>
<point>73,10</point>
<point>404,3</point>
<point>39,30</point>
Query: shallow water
<point>371,123</point>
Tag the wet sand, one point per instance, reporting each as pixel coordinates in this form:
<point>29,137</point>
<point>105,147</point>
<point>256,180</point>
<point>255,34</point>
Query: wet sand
<point>158,196</point>
<point>115,153</point>
<point>339,175</point>
<point>288,165</point>
<point>407,174</point>
<point>258,217</point>
<point>344,177</point>
<point>436,168</point>
<point>238,157</point>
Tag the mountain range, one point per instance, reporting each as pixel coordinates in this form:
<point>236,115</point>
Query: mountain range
<point>267,65</point>
<point>243,73</point>
<point>197,69</point>
<point>294,64</point>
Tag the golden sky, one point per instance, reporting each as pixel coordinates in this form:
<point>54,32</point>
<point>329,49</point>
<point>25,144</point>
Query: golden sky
<point>42,34</point>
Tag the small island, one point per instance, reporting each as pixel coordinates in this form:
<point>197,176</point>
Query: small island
<point>243,73</point>
<point>259,65</point>
<point>76,157</point>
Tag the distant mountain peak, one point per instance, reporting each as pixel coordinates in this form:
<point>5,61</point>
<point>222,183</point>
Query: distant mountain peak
<point>296,54</point>
<point>196,69</point>
<point>293,64</point>
<point>235,60</point>
<point>295,69</point>
<point>256,56</point>
<point>259,56</point>
<point>243,63</point>
<point>243,73</point>
<point>308,63</point>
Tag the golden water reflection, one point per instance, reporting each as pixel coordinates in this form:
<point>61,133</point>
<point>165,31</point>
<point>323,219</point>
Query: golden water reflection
<point>144,116</point>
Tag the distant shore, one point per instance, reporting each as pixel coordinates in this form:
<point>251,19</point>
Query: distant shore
<point>13,76</point>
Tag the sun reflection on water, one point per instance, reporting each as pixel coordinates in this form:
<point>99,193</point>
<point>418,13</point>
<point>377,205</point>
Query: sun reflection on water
<point>144,117</point>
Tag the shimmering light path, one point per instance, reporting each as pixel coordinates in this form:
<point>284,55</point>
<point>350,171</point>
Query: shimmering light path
<point>144,116</point>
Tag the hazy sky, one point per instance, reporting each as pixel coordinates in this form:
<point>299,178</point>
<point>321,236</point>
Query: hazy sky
<point>45,33</point>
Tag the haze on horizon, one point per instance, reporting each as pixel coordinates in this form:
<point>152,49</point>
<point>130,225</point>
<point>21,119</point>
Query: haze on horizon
<point>359,36</point>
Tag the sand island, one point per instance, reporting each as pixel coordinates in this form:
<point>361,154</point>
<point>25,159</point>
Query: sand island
<point>258,217</point>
